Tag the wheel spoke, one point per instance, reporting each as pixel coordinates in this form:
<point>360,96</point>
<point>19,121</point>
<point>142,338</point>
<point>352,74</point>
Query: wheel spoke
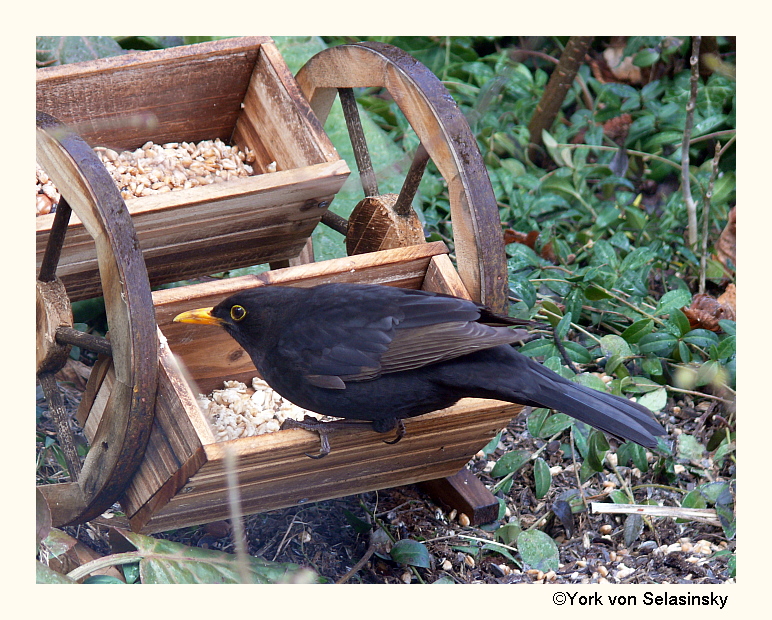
<point>69,335</point>
<point>336,222</point>
<point>412,180</point>
<point>55,242</point>
<point>358,142</point>
<point>63,428</point>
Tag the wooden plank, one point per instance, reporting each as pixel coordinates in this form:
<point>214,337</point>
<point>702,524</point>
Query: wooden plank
<point>209,229</point>
<point>193,93</point>
<point>442,277</point>
<point>273,474</point>
<point>272,103</point>
<point>221,89</point>
<point>444,132</point>
<point>464,492</point>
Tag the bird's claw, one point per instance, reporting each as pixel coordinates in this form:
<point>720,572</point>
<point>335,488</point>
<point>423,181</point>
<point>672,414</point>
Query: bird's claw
<point>401,432</point>
<point>310,424</point>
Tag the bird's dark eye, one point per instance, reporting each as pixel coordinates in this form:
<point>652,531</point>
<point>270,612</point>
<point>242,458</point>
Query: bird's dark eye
<point>238,313</point>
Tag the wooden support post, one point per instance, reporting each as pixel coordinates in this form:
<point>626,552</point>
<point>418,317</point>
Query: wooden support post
<point>464,492</point>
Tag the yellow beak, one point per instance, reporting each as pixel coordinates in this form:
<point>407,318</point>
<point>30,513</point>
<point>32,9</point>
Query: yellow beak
<point>202,316</point>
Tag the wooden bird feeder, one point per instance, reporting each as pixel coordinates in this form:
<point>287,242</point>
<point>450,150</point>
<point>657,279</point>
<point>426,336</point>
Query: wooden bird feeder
<point>151,446</point>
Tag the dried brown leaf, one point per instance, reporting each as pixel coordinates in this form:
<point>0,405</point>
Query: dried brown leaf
<point>706,311</point>
<point>726,247</point>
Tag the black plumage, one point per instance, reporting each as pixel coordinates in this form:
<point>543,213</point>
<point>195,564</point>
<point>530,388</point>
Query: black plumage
<point>381,354</point>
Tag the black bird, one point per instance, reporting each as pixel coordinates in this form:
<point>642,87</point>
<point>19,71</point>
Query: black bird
<point>381,354</point>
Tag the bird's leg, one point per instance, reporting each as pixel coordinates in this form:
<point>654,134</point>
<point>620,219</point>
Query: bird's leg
<point>322,428</point>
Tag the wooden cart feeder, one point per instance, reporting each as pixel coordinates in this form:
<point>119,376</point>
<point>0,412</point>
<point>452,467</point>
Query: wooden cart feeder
<point>151,446</point>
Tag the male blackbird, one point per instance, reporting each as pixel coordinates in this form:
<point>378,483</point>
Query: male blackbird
<point>381,354</point>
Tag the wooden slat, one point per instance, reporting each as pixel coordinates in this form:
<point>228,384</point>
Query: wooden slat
<point>207,229</point>
<point>273,472</point>
<point>193,92</point>
<point>239,90</point>
<point>268,111</point>
<point>444,132</point>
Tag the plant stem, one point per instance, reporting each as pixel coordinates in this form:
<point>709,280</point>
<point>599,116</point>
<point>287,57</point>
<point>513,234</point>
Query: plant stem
<point>691,207</point>
<point>109,560</point>
<point>706,218</point>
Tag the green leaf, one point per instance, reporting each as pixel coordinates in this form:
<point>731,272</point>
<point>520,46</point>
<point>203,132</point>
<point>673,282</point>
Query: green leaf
<point>633,528</point>
<point>694,499</point>
<point>65,50</point>
<point>726,348</point>
<point>510,462</point>
<point>358,524</point>
<point>543,347</point>
<point>508,533</point>
<point>542,477</point>
<point>637,330</point>
<point>410,552</point>
<point>535,420</point>
<point>577,353</point>
<point>654,400</point>
<point>615,345</point>
<point>595,293</point>
<point>701,338</point>
<point>164,561</point>
<point>563,326</point>
<point>658,343</point>
<point>554,424</point>
<point>597,448</point>
<point>552,308</point>
<point>603,253</point>
<point>637,258</point>
<point>646,58</point>
<point>103,579</point>
<point>591,381</point>
<point>679,322</point>
<point>538,550</point>
<point>729,327</point>
<point>689,448</point>
<point>631,451</point>
<point>493,444</point>
<point>523,289</point>
<point>44,574</point>
<point>652,365</point>
<point>677,298</point>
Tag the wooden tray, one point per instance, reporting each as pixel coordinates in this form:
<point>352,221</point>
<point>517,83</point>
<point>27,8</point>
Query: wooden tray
<point>182,480</point>
<point>238,90</point>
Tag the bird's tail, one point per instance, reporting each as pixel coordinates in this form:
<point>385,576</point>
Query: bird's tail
<point>529,383</point>
<point>612,414</point>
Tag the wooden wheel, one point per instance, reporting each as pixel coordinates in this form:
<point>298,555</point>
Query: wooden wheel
<point>119,443</point>
<point>387,221</point>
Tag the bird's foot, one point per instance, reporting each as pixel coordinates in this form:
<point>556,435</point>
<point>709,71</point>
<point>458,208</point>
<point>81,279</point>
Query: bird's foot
<point>401,432</point>
<point>323,429</point>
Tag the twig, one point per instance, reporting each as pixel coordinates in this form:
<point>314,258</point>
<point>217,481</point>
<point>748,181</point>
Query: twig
<point>577,471</point>
<point>281,544</point>
<point>563,353</point>
<point>702,515</point>
<point>355,569</point>
<point>691,207</point>
<point>706,218</point>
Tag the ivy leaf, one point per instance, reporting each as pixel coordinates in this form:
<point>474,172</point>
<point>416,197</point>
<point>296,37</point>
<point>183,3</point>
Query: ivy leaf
<point>538,550</point>
<point>654,400</point>
<point>542,477</point>
<point>410,552</point>
<point>615,345</point>
<point>510,462</point>
<point>677,298</point>
<point>637,330</point>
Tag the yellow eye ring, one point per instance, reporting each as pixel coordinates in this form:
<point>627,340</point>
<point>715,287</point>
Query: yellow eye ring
<point>238,312</point>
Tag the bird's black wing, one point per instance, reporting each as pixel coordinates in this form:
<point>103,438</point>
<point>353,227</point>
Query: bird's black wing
<point>359,332</point>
